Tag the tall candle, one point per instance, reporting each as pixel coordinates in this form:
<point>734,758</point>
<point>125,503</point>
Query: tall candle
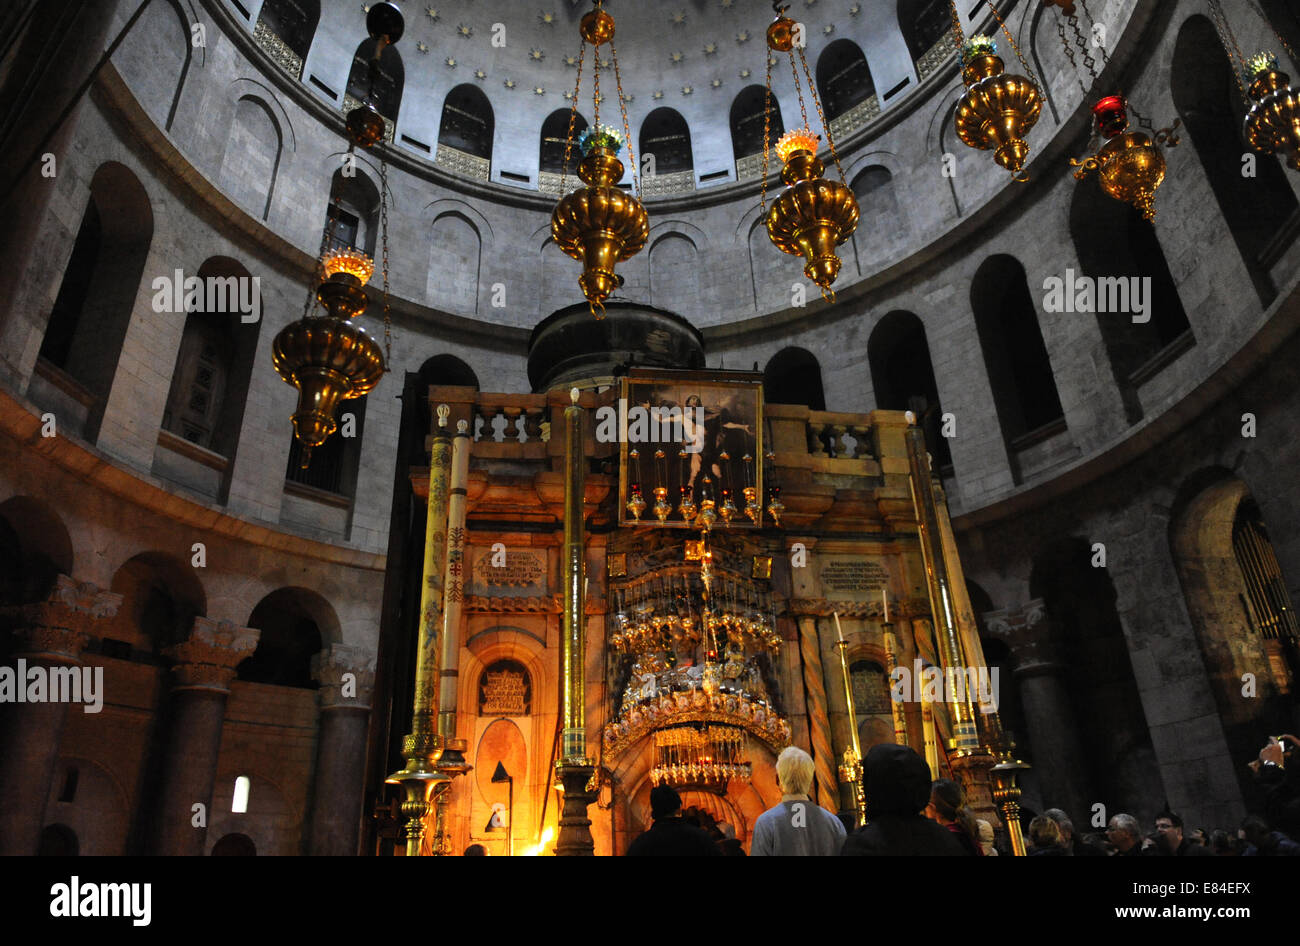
<point>838,630</point>
<point>884,597</point>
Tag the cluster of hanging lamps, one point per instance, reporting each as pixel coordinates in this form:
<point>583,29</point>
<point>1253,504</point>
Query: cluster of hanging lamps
<point>1272,124</point>
<point>998,108</point>
<point>813,215</point>
<point>328,358</point>
<point>599,224</point>
<point>1129,164</point>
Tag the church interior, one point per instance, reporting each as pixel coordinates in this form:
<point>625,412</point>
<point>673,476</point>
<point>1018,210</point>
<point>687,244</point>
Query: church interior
<point>434,426</point>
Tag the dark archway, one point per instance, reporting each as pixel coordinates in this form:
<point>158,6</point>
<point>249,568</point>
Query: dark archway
<point>234,845</point>
<point>665,134</point>
<point>385,93</point>
<point>902,375</point>
<point>555,136</point>
<point>468,123</point>
<point>843,78</point>
<point>1261,211</point>
<point>1019,371</point>
<point>58,840</point>
<point>35,548</point>
<point>290,620</point>
<point>353,212</point>
<point>161,597</point>
<point>748,119</point>
<point>293,22</point>
<point>793,376</point>
<point>924,23</point>
<point>1114,244</point>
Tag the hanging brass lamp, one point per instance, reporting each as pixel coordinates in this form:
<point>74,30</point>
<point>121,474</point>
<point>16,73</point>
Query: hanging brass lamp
<point>813,215</point>
<point>599,224</point>
<point>999,108</point>
<point>1273,123</point>
<point>326,357</point>
<point>1129,166</point>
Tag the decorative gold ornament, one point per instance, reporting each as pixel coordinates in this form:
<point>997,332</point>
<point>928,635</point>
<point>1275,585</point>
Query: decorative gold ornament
<point>1129,166</point>
<point>348,260</point>
<point>1273,123</point>
<point>997,111</point>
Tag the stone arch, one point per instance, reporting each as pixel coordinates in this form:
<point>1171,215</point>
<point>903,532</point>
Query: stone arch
<point>793,376</point>
<point>296,624</point>
<point>251,162</point>
<point>161,597</point>
<point>354,210</point>
<point>902,376</point>
<point>388,81</point>
<point>89,799</point>
<point>552,140</point>
<point>675,273</point>
<point>35,548</point>
<point>88,323</point>
<point>877,194</point>
<point>158,47</point>
<point>772,273</point>
<point>666,135</point>
<point>1258,211</point>
<point>455,261</point>
<point>843,78</point>
<point>747,122</point>
<point>468,123</point>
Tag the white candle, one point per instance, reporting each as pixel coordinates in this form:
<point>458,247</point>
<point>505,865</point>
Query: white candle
<point>838,630</point>
<point>884,597</point>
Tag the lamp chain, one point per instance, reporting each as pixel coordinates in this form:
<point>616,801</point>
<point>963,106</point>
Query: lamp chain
<point>957,35</point>
<point>573,118</point>
<point>595,79</point>
<point>627,128</point>
<point>383,235</point>
<point>767,136</point>
<point>1230,44</point>
<point>1010,39</point>
<point>817,103</point>
<point>1280,38</point>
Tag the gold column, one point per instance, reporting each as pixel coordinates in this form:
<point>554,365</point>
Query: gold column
<point>951,652</point>
<point>420,778</point>
<point>896,707</point>
<point>574,768</point>
<point>851,766</point>
<point>452,760</point>
<point>818,721</point>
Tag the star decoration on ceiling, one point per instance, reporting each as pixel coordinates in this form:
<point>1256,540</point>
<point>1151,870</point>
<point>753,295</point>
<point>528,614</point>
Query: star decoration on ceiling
<point>451,61</point>
<point>509,83</point>
<point>421,47</point>
<point>687,89</point>
<point>810,3</point>
<point>629,99</point>
<point>480,74</point>
<point>657,94</point>
<point>678,18</point>
<point>433,13</point>
<point>365,8</point>
<point>567,95</point>
<point>538,90</point>
<point>676,58</point>
<point>744,73</point>
<point>710,48</point>
<point>855,9</point>
<point>828,29</point>
<point>606,63</point>
<point>716,83</point>
<point>548,19</point>
<point>571,60</point>
<point>536,55</point>
<point>465,31</point>
<point>742,36</point>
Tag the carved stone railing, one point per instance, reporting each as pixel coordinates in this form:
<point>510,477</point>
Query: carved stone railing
<point>665,185</point>
<point>752,165</point>
<point>855,118</point>
<point>839,436</point>
<point>936,55</point>
<point>548,182</point>
<point>463,163</point>
<point>511,425</point>
<point>350,102</point>
<point>277,49</point>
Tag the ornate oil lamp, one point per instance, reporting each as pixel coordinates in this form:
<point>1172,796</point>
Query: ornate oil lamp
<point>599,224</point>
<point>812,216</point>
<point>1273,123</point>
<point>999,108</point>
<point>1129,166</point>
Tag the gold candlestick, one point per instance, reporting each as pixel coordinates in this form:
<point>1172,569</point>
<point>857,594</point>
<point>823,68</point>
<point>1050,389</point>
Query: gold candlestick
<point>896,707</point>
<point>851,766</point>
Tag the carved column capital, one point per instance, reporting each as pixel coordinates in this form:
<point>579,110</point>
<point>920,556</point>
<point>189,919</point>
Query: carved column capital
<point>1029,634</point>
<point>346,675</point>
<point>60,626</point>
<point>207,660</point>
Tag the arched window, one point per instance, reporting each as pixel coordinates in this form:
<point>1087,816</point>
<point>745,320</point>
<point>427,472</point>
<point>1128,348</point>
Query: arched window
<point>334,464</point>
<point>354,211</point>
<point>161,597</point>
<point>926,26</point>
<point>467,122</point>
<point>793,376</point>
<point>1272,612</point>
<point>1116,246</point>
<point>505,689</point>
<point>290,620</point>
<point>205,404</point>
<point>903,378</point>
<point>555,133</point>
<point>1257,209</point>
<point>35,548</point>
<point>88,323</point>
<point>665,135</point>
<point>239,797</point>
<point>1019,372</point>
<point>388,80</point>
<point>285,29</point>
<point>843,79</point>
<point>748,118</point>
<point>873,186</point>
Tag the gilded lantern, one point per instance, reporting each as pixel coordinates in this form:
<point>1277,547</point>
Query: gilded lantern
<point>998,109</point>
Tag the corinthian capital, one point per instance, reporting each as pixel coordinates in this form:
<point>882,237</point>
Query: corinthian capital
<point>346,675</point>
<point>207,660</point>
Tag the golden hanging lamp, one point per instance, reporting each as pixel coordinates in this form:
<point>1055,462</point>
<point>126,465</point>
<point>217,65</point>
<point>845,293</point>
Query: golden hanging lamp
<point>326,357</point>
<point>599,224</point>
<point>999,108</point>
<point>813,215</point>
<point>1129,166</point>
<point>1273,123</point>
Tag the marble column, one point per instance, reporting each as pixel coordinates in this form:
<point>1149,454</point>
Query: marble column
<point>50,634</point>
<point>347,677</point>
<point>819,724</point>
<point>1039,671</point>
<point>204,668</point>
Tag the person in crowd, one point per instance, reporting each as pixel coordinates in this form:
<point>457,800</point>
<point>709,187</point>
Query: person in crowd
<point>669,835</point>
<point>1277,771</point>
<point>1263,842</point>
<point>1045,838</point>
<point>897,783</point>
<point>987,837</point>
<point>1074,845</point>
<point>1223,844</point>
<point>948,807</point>
<point>728,843</point>
<point>797,826</point>
<point>1199,838</point>
<point>1170,841</point>
<point>1124,836</point>
<point>476,850</point>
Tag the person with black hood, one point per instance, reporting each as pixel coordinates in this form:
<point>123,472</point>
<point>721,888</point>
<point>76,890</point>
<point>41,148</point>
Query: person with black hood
<point>670,836</point>
<point>897,783</point>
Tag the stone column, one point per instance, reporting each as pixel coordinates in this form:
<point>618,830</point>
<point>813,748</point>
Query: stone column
<point>819,724</point>
<point>346,678</point>
<point>1049,715</point>
<point>204,668</point>
<point>50,634</point>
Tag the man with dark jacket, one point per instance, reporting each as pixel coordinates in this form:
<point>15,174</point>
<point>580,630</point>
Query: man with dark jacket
<point>897,783</point>
<point>670,836</point>
<point>1170,841</point>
